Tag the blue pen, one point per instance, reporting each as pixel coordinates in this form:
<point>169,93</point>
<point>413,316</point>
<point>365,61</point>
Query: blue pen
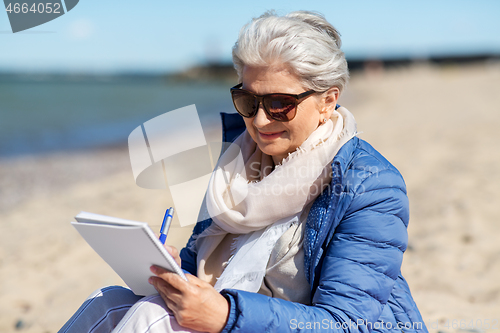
<point>167,220</point>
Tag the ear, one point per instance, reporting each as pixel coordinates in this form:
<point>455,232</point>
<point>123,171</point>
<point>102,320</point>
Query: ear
<point>329,102</point>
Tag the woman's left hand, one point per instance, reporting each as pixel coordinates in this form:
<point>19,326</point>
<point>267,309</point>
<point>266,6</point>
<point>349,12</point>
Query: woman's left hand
<point>195,304</point>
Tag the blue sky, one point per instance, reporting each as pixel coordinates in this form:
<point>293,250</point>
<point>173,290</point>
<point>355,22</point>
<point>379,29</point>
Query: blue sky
<point>153,35</point>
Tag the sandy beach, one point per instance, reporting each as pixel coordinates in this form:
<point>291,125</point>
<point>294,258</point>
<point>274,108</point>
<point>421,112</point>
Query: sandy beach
<point>438,125</point>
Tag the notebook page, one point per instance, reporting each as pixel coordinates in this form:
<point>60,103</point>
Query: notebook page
<point>130,251</point>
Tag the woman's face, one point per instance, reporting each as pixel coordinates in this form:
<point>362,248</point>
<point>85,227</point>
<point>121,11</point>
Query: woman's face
<point>273,137</point>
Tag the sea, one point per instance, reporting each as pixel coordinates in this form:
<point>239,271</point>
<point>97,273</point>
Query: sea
<point>40,114</point>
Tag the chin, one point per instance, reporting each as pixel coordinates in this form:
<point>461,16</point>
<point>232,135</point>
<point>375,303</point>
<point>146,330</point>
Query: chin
<point>272,149</point>
<point>277,147</point>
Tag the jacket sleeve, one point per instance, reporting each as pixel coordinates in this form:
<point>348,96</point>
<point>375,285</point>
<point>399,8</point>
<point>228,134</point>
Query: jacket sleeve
<point>357,274</point>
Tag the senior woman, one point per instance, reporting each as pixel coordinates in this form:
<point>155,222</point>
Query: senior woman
<point>316,239</point>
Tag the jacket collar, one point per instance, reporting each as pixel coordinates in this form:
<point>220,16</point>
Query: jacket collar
<point>341,160</point>
<point>232,126</point>
<point>320,228</point>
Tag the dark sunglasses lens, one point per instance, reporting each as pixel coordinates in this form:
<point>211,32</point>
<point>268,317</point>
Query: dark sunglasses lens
<point>280,107</point>
<point>244,103</point>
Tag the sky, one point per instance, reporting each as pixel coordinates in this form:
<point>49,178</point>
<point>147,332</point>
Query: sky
<point>167,36</point>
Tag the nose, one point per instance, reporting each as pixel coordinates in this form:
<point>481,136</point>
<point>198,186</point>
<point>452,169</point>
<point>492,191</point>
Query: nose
<point>261,119</point>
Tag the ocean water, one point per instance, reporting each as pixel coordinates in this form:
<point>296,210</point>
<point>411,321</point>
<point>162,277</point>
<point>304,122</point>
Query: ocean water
<point>43,115</point>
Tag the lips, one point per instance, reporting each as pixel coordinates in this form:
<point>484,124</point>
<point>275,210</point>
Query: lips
<point>270,135</point>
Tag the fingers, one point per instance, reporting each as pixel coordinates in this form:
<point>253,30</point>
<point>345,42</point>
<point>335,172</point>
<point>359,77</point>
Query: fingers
<point>172,250</point>
<point>161,286</point>
<point>195,303</point>
<point>197,282</point>
<point>168,286</point>
<point>171,278</point>
<point>165,288</point>
<point>174,253</point>
<point>174,287</point>
<point>169,294</point>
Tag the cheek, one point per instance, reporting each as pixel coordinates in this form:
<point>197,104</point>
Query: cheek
<point>299,134</point>
<point>304,126</point>
<point>249,126</point>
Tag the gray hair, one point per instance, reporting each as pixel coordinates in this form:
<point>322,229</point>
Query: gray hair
<point>303,40</point>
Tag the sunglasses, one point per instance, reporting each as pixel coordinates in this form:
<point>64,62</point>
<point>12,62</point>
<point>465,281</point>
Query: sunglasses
<point>280,107</point>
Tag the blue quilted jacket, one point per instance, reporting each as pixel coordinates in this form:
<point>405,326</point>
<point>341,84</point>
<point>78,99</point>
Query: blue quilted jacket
<point>354,241</point>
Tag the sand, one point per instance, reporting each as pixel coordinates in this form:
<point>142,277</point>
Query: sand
<point>438,125</point>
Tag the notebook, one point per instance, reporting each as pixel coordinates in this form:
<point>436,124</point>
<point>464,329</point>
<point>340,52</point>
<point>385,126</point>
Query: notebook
<point>128,247</point>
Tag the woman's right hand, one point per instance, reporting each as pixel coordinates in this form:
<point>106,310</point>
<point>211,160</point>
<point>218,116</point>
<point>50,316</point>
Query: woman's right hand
<point>195,303</point>
<point>174,253</point>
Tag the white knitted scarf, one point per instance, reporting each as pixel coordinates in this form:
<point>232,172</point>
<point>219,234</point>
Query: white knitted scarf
<point>247,196</point>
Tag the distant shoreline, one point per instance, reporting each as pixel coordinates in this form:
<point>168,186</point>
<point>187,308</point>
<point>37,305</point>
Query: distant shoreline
<point>41,137</point>
<point>224,71</point>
